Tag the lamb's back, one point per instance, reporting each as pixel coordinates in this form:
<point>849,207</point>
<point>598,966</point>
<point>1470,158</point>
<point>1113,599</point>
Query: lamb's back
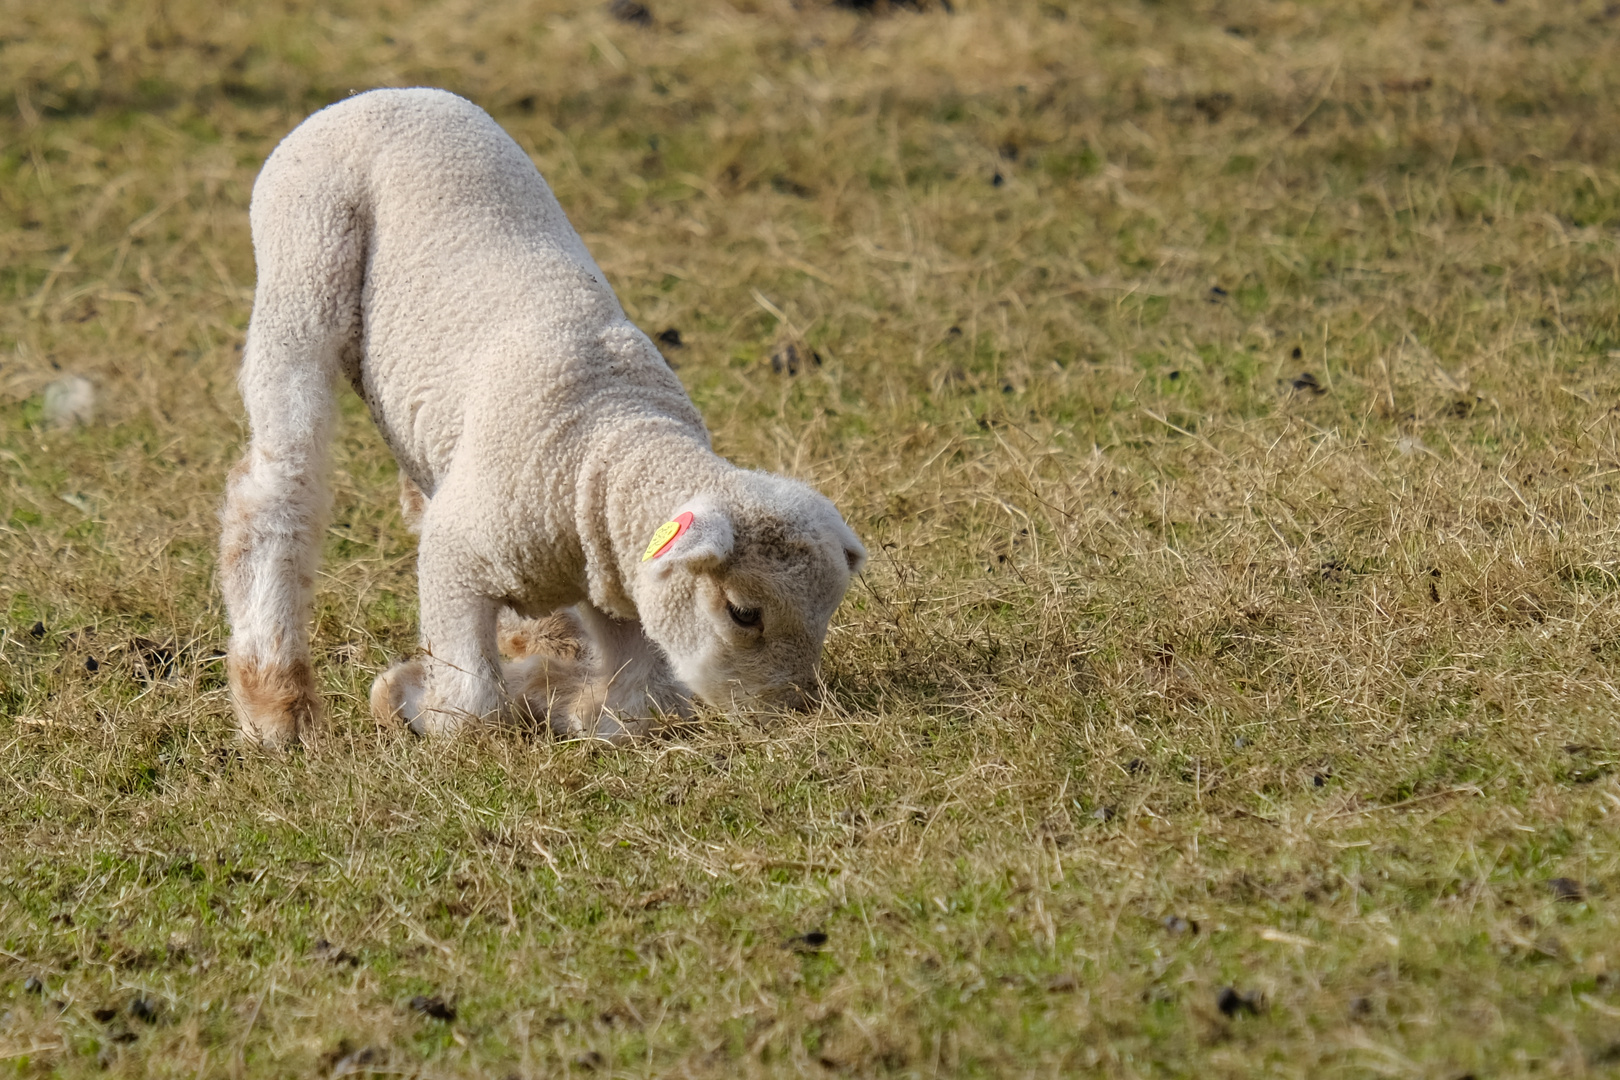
<point>479,296</point>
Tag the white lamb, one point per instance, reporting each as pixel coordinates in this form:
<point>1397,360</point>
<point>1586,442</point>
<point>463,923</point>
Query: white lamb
<point>405,243</point>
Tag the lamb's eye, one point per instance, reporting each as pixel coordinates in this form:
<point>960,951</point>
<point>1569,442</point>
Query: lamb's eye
<point>744,617</point>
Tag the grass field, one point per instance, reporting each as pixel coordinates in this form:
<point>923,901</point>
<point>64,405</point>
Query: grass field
<point>1228,394</point>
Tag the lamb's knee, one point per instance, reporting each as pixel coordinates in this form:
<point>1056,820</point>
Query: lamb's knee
<point>236,535</point>
<point>240,519</point>
<point>275,701</point>
<point>271,501</point>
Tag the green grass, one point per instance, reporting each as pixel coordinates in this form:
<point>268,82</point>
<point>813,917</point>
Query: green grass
<point>1175,671</point>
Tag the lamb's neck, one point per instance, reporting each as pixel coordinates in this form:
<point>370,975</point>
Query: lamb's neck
<point>643,472</point>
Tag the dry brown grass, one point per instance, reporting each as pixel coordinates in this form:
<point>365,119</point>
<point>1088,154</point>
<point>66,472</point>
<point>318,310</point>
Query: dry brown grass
<point>1227,394</point>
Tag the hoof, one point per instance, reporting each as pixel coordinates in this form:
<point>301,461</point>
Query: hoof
<point>399,696</point>
<point>396,694</point>
<point>276,704</point>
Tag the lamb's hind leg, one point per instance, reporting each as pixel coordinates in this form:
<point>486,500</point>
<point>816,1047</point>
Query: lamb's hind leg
<point>276,503</point>
<point>305,315</point>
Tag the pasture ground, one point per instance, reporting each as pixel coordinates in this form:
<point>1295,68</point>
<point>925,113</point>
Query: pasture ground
<point>1227,392</point>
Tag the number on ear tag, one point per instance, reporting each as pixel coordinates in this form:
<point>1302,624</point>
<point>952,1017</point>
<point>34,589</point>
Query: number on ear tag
<point>667,534</point>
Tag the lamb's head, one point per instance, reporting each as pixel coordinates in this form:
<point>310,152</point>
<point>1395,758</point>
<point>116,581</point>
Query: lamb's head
<point>740,597</point>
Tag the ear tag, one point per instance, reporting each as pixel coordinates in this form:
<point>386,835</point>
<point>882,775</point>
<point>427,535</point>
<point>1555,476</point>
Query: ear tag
<point>667,534</point>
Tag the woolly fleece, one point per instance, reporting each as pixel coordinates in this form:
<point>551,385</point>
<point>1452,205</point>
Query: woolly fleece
<point>406,244</point>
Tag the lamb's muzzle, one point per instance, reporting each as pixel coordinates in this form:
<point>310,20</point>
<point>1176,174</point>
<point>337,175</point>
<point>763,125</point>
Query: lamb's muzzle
<point>407,245</point>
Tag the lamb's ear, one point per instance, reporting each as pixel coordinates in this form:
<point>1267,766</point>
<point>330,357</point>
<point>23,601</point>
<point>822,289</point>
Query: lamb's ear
<point>855,554</point>
<point>697,537</point>
<point>854,550</point>
<point>845,538</point>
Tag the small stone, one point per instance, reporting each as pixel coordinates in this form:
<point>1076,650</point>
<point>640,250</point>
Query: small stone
<point>70,401</point>
<point>1178,925</point>
<point>33,985</point>
<point>1103,813</point>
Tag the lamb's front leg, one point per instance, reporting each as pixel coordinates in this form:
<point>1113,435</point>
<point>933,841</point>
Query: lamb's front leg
<point>458,676</point>
<point>462,672</point>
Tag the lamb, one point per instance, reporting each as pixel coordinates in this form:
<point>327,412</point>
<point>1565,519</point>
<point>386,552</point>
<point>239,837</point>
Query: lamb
<point>405,242</point>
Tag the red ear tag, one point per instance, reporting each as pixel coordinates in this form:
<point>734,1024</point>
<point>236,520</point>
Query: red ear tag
<point>667,534</point>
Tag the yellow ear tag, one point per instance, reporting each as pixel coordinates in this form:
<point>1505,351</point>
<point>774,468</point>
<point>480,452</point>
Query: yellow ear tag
<point>667,534</point>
